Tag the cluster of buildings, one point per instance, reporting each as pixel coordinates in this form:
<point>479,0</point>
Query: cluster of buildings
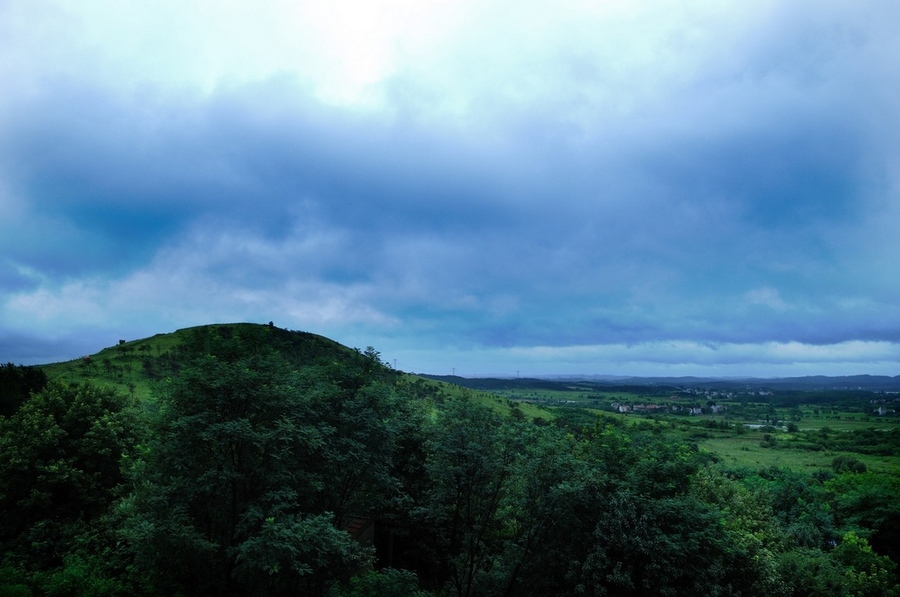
<point>666,408</point>
<point>883,408</point>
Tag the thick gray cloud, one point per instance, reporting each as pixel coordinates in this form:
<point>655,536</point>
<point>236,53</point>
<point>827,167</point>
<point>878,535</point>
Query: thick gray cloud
<point>690,187</point>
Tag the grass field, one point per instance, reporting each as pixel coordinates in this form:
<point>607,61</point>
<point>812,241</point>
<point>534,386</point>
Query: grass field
<point>747,450</point>
<point>805,450</point>
<point>567,396</point>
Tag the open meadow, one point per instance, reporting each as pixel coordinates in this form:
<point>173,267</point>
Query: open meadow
<point>743,428</point>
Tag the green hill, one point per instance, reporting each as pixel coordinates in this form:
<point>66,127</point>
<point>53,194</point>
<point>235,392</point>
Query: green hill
<point>138,368</point>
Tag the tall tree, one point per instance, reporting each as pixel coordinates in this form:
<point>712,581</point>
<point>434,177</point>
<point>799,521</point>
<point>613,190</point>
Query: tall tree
<point>254,468</point>
<point>17,383</point>
<point>60,457</point>
<point>470,472</point>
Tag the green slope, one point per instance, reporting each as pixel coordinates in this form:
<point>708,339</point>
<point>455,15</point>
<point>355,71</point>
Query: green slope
<point>138,367</point>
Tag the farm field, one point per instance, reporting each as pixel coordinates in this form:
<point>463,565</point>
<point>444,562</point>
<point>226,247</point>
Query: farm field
<point>754,430</point>
<point>748,451</point>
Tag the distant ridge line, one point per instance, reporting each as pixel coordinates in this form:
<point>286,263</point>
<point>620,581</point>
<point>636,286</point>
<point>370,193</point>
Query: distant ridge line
<point>884,383</point>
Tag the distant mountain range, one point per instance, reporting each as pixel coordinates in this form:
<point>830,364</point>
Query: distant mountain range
<point>874,383</point>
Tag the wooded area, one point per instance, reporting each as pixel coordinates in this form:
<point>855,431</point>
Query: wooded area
<point>270,462</point>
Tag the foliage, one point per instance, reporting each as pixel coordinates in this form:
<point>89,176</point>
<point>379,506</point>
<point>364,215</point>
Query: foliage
<point>60,469</point>
<point>17,383</point>
<point>847,464</point>
<point>382,583</point>
<point>867,503</point>
<point>59,466</point>
<point>255,467</point>
<point>852,568</point>
<point>470,471</point>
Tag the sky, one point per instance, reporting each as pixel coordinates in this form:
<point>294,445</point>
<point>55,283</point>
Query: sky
<point>478,187</point>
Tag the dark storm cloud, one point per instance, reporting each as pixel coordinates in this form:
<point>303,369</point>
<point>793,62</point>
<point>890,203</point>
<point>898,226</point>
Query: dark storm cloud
<point>724,187</point>
<point>139,170</point>
<point>578,226</point>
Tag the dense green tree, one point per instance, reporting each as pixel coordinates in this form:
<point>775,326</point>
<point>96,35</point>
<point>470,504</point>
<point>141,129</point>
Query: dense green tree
<point>540,509</point>
<point>867,503</point>
<point>799,504</point>
<point>656,547</point>
<point>382,583</point>
<point>256,464</point>
<point>851,569</point>
<point>847,464</point>
<point>17,383</point>
<point>866,573</point>
<point>470,473</point>
<point>622,517</point>
<point>653,535</point>
<point>363,419</point>
<point>60,457</point>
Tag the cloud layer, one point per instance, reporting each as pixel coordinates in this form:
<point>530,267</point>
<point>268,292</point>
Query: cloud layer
<point>611,187</point>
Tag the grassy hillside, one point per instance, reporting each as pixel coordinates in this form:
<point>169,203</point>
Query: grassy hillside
<point>135,367</point>
<point>138,367</point>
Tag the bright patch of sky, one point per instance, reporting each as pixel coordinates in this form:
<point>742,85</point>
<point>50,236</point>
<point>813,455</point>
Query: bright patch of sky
<point>622,187</point>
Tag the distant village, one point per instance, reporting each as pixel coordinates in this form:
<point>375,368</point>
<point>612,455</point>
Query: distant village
<point>711,408</point>
<point>697,402</point>
<point>668,408</point>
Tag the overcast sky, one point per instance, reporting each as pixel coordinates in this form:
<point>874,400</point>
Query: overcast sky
<point>638,187</point>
